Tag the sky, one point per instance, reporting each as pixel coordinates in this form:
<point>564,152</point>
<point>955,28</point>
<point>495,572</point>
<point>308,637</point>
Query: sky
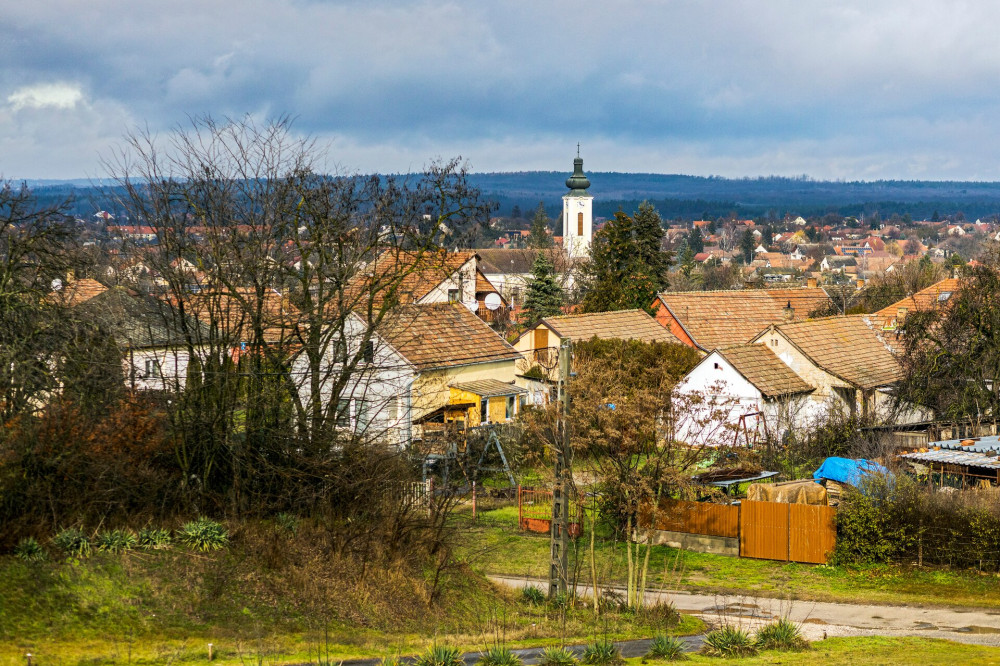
<point>852,90</point>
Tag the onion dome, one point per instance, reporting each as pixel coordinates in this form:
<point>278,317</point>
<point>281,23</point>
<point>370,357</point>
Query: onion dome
<point>578,182</point>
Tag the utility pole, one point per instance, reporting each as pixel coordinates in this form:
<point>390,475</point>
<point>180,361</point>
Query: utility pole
<point>559,535</point>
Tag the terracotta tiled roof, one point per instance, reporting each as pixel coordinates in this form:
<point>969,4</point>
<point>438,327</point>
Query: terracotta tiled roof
<point>484,286</point>
<point>925,299</point>
<point>847,347</point>
<point>78,291</point>
<point>443,335</point>
<point>622,325</point>
<point>231,312</point>
<point>759,365</point>
<point>417,274</point>
<point>724,318</point>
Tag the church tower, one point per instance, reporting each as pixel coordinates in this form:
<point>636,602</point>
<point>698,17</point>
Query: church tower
<point>578,213</point>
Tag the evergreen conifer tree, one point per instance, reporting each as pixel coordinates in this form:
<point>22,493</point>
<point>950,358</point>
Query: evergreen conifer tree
<point>649,238</point>
<point>627,267</point>
<point>695,241</point>
<point>545,295</point>
<point>539,238</point>
<point>747,246</point>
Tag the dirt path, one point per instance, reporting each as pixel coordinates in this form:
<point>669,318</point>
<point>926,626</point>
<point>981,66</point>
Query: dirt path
<point>823,619</point>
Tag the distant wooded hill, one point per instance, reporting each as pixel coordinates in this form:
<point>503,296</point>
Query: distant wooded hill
<point>696,196</point>
<point>676,196</point>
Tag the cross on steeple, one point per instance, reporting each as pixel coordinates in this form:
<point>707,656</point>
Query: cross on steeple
<point>577,148</point>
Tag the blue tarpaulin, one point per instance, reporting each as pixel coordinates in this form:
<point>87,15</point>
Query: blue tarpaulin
<point>845,470</point>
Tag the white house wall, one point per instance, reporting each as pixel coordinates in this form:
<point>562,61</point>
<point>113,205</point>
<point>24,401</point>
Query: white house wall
<point>382,385</point>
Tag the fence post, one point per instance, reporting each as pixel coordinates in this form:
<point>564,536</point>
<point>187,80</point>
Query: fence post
<point>520,520</point>
<point>473,500</point>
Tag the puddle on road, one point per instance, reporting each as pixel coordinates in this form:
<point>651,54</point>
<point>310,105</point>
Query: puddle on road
<point>814,620</point>
<point>738,610</point>
<point>974,629</point>
<point>925,625</point>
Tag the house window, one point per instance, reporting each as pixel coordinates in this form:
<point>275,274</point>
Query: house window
<point>344,413</point>
<point>362,414</point>
<point>717,366</point>
<point>395,408</point>
<point>453,295</point>
<point>579,224</point>
<point>515,295</point>
<point>510,408</point>
<point>152,367</point>
<point>368,353</point>
<point>484,411</point>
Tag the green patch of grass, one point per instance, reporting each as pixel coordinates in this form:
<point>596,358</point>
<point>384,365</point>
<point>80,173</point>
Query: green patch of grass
<point>872,650</point>
<point>261,598</point>
<point>506,551</point>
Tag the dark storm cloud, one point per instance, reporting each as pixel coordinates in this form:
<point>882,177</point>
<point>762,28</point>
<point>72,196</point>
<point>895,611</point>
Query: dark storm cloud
<point>834,89</point>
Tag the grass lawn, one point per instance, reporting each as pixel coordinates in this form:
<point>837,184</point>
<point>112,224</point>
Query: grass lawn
<point>495,546</point>
<point>167,606</point>
<point>871,651</point>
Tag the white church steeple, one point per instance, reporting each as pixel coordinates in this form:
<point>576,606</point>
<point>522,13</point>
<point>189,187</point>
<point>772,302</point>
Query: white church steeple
<point>578,213</point>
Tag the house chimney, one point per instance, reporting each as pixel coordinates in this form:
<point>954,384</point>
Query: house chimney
<point>861,283</point>
<point>70,276</point>
<point>900,314</point>
<point>811,282</point>
<point>789,312</point>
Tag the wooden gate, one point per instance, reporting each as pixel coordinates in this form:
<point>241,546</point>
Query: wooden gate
<point>812,533</point>
<point>789,532</point>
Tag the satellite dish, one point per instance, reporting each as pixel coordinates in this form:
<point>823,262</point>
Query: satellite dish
<point>56,284</point>
<point>472,305</point>
<point>493,301</point>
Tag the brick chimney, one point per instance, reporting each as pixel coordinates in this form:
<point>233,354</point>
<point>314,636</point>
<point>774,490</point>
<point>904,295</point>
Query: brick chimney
<point>811,282</point>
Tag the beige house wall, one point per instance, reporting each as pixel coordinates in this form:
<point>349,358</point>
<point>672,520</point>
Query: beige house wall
<point>431,388</point>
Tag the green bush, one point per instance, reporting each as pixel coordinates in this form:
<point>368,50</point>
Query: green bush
<point>729,642</point>
<point>533,595</point>
<point>661,614</point>
<point>153,538</point>
<point>394,660</point>
<point>29,550</point>
<point>872,522</point>
<point>499,656</point>
<point>780,635</point>
<point>287,522</point>
<point>115,541</point>
<point>666,647</point>
<point>440,655</point>
<point>557,656</point>
<point>602,653</point>
<point>203,535</point>
<point>72,542</point>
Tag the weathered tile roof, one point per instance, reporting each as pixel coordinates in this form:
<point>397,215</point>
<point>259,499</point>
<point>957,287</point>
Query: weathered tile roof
<point>716,319</point>
<point>134,321</point>
<point>846,347</point>
<point>78,291</point>
<point>936,295</point>
<point>442,335</point>
<point>489,388</point>
<point>760,367</point>
<point>514,261</point>
<point>623,325</point>
<point>417,274</point>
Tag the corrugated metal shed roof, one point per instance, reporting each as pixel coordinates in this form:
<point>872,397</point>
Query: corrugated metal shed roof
<point>964,457</point>
<point>488,388</point>
<point>989,443</point>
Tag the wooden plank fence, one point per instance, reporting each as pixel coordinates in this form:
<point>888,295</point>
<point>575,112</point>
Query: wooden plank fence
<point>766,530</point>
<point>721,520</point>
